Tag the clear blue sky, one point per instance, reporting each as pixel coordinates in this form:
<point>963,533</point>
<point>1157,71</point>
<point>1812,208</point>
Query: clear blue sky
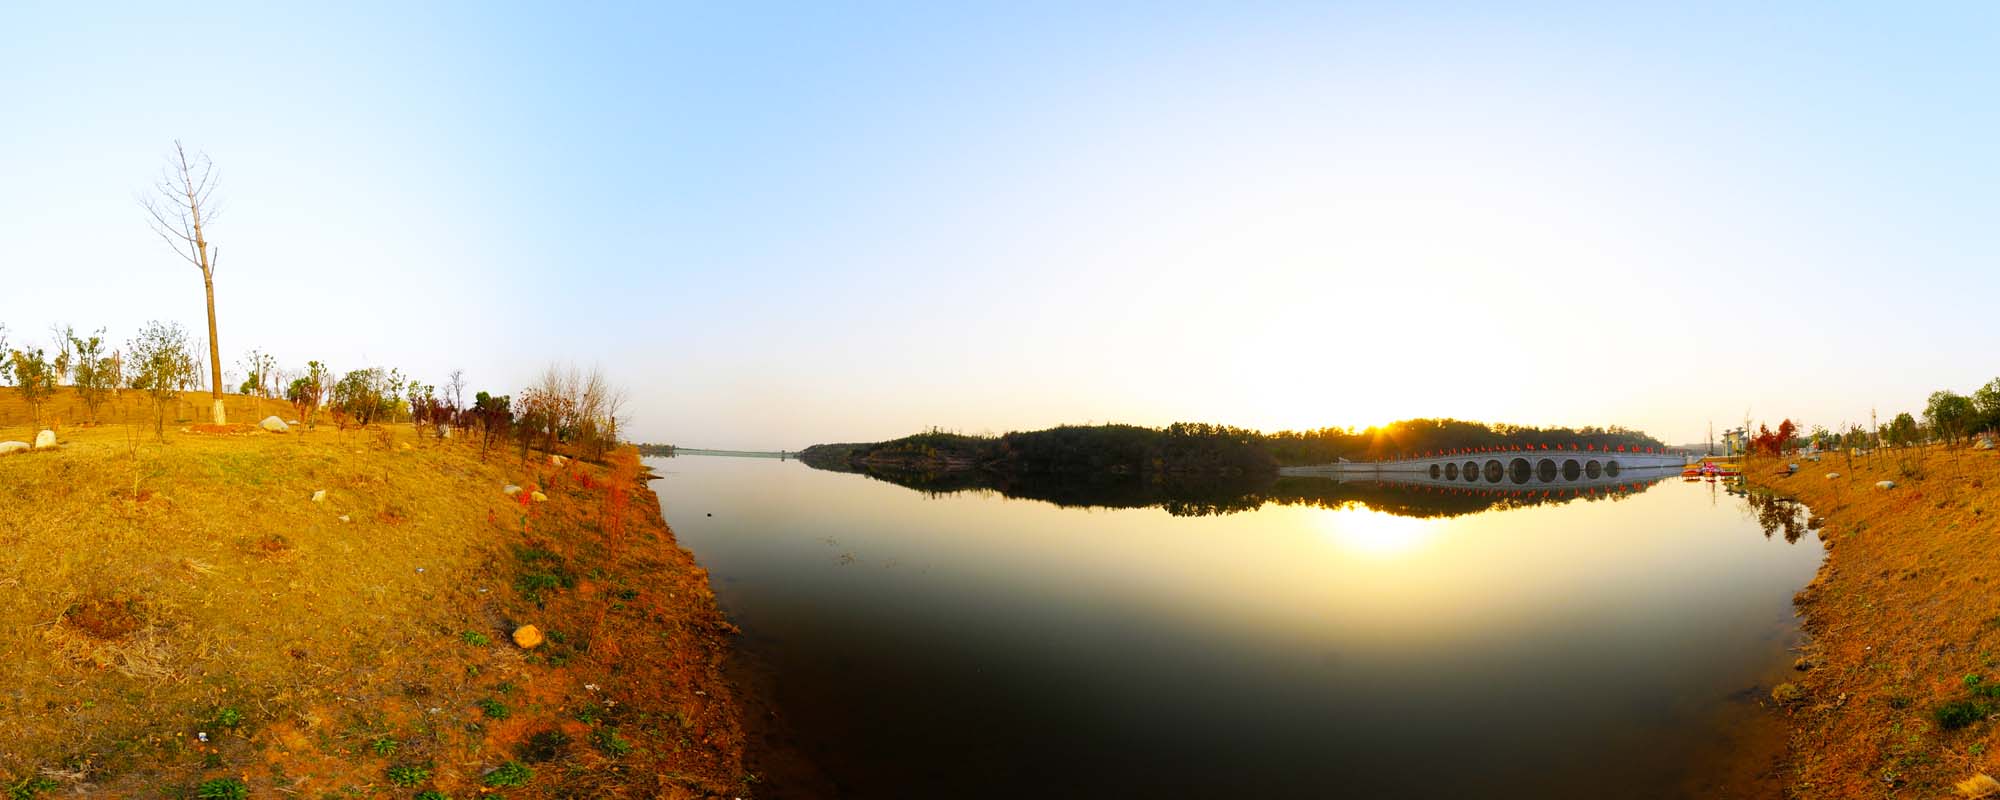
<point>780,225</point>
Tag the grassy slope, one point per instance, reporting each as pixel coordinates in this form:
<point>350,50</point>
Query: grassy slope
<point>152,590</point>
<point>1904,608</point>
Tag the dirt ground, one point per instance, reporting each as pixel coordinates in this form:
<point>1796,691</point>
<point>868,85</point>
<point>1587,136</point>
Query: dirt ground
<point>1898,698</point>
<point>180,614</point>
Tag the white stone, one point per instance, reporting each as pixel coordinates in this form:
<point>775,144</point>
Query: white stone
<point>1832,475</point>
<point>10,448</point>
<point>319,496</point>
<point>541,498</point>
<point>291,422</point>
<point>45,440</point>
<point>1885,484</point>
<point>558,460</point>
<point>344,518</point>
<point>274,425</point>
<point>510,490</point>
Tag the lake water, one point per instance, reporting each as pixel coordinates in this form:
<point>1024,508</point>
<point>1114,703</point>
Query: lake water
<point>968,644</point>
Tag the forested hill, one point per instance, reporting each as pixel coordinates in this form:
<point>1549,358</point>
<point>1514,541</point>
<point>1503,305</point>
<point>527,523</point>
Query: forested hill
<point>1189,448</point>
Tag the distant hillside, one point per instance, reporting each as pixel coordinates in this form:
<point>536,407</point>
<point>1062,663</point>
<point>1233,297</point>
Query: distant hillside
<point>1187,449</point>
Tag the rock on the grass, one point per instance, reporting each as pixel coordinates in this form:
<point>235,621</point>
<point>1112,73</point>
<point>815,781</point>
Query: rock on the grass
<point>319,496</point>
<point>528,637</point>
<point>1787,693</point>
<point>1885,484</point>
<point>557,461</point>
<point>45,440</point>
<point>510,490</point>
<point>541,498</point>
<point>1832,475</point>
<point>10,448</point>
<point>274,425</point>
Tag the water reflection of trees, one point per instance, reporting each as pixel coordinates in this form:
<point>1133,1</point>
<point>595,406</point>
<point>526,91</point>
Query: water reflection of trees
<point>1775,514</point>
<point>1212,496</point>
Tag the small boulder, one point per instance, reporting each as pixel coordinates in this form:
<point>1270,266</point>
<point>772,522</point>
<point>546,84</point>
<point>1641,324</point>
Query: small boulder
<point>510,490</point>
<point>528,637</point>
<point>1802,664</point>
<point>1885,484</point>
<point>291,422</point>
<point>274,425</point>
<point>10,448</point>
<point>557,461</point>
<point>1786,694</point>
<point>319,496</point>
<point>1832,475</point>
<point>45,440</point>
<point>541,498</point>
<point>345,518</point>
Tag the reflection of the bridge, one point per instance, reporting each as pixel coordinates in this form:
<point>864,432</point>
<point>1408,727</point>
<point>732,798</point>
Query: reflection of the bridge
<point>1412,494</point>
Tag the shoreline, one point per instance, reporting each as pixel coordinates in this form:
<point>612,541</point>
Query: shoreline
<point>1902,620</point>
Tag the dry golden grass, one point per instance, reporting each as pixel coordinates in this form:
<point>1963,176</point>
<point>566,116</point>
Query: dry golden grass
<point>155,590</point>
<point>1902,612</point>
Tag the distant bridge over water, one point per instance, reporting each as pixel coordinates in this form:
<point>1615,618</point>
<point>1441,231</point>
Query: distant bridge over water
<point>1499,466</point>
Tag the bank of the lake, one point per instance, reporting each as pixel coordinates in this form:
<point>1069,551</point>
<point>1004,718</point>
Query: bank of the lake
<point>1905,622</point>
<point>326,614</point>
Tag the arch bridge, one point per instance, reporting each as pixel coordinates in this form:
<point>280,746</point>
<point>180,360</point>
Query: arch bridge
<point>1500,465</point>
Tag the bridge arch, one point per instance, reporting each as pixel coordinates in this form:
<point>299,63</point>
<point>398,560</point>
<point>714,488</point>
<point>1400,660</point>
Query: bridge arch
<point>1494,472</point>
<point>1592,468</point>
<point>1436,471</point>
<point>1518,470</point>
<point>1451,470</point>
<point>1571,469</point>
<point>1470,471</point>
<point>1611,468</point>
<point>1545,470</point>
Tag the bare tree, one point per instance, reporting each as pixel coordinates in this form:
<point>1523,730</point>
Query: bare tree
<point>181,208</point>
<point>457,388</point>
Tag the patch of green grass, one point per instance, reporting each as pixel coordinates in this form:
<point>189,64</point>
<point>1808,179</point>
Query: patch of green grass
<point>608,740</point>
<point>222,789</point>
<point>407,775</point>
<point>475,638</point>
<point>30,787</point>
<point>383,746</point>
<point>431,794</point>
<point>493,708</point>
<point>228,717</point>
<point>1959,713</point>
<point>509,775</point>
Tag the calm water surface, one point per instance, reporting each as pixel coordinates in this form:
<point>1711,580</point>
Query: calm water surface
<point>971,645</point>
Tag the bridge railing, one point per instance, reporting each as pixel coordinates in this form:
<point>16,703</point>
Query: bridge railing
<point>1510,450</point>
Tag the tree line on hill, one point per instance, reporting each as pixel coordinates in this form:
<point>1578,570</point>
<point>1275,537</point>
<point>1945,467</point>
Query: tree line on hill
<point>564,409</point>
<point>1948,419</point>
<point>1192,448</point>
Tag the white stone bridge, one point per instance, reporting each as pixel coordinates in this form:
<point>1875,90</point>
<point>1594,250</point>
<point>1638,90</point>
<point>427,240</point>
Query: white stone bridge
<point>1500,466</point>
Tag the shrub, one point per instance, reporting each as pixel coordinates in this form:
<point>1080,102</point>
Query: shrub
<point>494,708</point>
<point>510,774</point>
<point>1959,713</point>
<point>222,789</point>
<point>407,775</point>
<point>30,787</point>
<point>608,740</point>
<point>475,638</point>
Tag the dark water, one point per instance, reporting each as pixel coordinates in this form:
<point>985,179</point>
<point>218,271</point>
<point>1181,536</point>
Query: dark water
<point>1599,642</point>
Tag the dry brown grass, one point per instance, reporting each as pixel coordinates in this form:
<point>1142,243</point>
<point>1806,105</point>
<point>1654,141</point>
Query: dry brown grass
<point>1904,608</point>
<point>153,590</point>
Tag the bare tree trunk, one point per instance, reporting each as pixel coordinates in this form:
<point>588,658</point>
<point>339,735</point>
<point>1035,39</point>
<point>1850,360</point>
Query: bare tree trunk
<point>214,349</point>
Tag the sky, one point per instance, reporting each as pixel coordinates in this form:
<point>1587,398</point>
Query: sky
<point>777,225</point>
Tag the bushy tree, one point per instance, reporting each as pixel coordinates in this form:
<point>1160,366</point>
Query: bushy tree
<point>495,416</point>
<point>34,377</point>
<point>161,366</point>
<point>308,391</point>
<point>94,373</point>
<point>1986,405</point>
<point>1902,430</point>
<point>366,396</point>
<point>1949,414</point>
